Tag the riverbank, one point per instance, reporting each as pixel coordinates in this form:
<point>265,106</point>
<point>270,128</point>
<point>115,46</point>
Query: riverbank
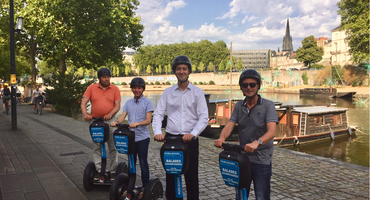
<point>363,92</point>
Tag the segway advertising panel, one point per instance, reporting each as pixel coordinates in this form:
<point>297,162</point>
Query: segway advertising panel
<point>99,130</point>
<point>235,168</point>
<point>175,160</point>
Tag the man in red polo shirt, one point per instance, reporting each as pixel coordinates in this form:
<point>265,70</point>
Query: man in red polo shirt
<point>105,101</point>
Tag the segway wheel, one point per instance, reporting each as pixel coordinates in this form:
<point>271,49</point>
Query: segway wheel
<point>153,190</point>
<point>88,178</point>
<point>118,187</point>
<point>122,168</point>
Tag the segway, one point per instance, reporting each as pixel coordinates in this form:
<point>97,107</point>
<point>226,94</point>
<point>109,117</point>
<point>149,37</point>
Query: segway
<point>99,131</point>
<point>124,140</point>
<point>235,168</point>
<point>175,160</point>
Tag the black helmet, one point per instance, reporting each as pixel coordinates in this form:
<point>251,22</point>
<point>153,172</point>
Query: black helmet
<point>104,71</point>
<point>137,82</point>
<point>181,60</point>
<point>250,73</point>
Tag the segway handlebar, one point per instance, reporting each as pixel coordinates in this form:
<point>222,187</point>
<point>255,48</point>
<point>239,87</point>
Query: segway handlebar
<point>174,139</point>
<point>98,119</point>
<point>122,125</point>
<point>232,147</point>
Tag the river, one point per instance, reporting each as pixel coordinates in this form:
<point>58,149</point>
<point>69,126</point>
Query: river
<point>353,149</point>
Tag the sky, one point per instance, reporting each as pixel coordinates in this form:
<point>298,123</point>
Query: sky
<point>248,24</point>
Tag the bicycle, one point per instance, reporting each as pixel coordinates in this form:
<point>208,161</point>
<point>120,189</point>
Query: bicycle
<point>39,104</point>
<point>18,100</point>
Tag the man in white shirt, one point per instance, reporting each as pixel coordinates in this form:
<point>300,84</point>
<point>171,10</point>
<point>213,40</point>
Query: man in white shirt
<point>187,114</point>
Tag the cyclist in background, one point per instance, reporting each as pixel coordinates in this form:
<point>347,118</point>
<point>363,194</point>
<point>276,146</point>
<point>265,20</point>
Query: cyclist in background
<point>36,93</point>
<point>5,92</point>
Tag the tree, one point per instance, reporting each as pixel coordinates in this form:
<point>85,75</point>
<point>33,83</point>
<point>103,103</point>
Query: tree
<point>211,66</point>
<point>148,70</point>
<point>240,64</point>
<point>201,67</point>
<point>159,69</point>
<point>168,68</point>
<point>221,67</point>
<point>355,22</point>
<point>309,52</point>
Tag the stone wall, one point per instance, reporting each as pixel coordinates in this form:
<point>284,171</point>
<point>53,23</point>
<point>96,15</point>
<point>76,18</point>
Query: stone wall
<point>269,78</point>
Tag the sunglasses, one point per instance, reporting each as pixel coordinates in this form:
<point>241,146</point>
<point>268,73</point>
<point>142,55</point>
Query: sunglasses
<point>252,85</point>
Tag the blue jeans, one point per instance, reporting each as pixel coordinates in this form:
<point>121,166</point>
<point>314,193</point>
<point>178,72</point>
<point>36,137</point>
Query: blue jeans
<point>261,177</point>
<point>142,151</point>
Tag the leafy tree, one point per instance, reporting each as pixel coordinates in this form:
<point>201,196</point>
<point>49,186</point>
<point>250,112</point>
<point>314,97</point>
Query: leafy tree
<point>193,67</point>
<point>355,22</point>
<point>66,93</point>
<point>148,70</point>
<point>305,78</point>
<point>240,64</point>
<point>127,70</point>
<point>309,52</point>
<point>159,69</point>
<point>201,67</point>
<point>21,64</point>
<point>211,66</point>
<point>221,67</point>
<point>168,68</point>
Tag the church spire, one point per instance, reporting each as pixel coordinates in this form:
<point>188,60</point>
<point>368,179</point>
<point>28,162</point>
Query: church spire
<point>287,41</point>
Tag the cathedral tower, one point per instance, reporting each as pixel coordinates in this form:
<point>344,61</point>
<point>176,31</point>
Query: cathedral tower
<point>287,41</point>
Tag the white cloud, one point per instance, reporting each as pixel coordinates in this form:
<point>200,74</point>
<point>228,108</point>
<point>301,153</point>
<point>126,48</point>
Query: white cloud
<point>264,22</point>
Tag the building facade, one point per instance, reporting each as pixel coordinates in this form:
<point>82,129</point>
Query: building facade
<point>254,59</point>
<point>339,48</point>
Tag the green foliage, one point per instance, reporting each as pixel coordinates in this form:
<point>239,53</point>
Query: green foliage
<point>305,78</point>
<point>221,67</point>
<point>201,66</point>
<point>211,82</point>
<point>168,83</point>
<point>240,64</point>
<point>151,83</point>
<point>203,51</point>
<point>337,74</point>
<point>124,83</point>
<point>200,83</point>
<point>211,66</point>
<point>159,69</point>
<point>66,93</point>
<point>157,83</point>
<point>148,70</point>
<point>317,66</point>
<point>355,22</point>
<point>309,52</point>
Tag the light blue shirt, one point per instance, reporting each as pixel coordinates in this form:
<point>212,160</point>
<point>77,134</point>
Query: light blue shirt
<point>187,111</point>
<point>136,112</point>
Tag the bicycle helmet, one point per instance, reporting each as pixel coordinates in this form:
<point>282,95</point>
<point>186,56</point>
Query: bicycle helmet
<point>137,82</point>
<point>250,73</point>
<point>104,71</point>
<point>181,60</point>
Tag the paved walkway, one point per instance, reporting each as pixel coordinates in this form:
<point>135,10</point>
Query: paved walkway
<point>46,156</point>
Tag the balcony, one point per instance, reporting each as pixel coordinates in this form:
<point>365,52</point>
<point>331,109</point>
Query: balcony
<point>335,52</point>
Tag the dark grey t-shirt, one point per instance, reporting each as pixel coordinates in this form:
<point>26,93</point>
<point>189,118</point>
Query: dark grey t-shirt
<point>252,125</point>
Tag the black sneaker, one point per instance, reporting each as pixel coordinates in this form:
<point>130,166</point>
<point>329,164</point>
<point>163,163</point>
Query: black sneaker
<point>97,176</point>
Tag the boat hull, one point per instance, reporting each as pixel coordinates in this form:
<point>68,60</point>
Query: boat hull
<point>297,140</point>
<point>214,131</point>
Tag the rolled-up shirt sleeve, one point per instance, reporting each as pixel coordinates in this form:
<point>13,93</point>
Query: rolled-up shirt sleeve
<point>159,114</point>
<point>202,111</point>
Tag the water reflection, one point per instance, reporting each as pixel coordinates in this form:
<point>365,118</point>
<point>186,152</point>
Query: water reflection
<point>353,149</point>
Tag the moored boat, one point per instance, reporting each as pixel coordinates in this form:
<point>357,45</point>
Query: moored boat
<point>333,93</point>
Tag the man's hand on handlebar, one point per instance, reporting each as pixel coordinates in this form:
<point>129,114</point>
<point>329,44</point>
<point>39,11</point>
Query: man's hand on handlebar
<point>107,117</point>
<point>87,117</point>
<point>218,143</point>
<point>159,137</point>
<point>134,125</point>
<point>187,137</point>
<point>113,124</point>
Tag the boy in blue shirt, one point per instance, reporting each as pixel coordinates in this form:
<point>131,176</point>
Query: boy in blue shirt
<point>139,110</point>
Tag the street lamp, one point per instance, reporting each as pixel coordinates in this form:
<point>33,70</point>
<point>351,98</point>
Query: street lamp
<point>13,79</point>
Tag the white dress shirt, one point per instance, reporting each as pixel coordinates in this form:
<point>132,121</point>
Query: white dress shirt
<point>187,111</point>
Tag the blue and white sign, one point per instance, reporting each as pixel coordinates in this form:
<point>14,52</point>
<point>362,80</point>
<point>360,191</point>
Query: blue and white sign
<point>230,172</point>
<point>97,134</point>
<point>173,161</point>
<point>121,143</point>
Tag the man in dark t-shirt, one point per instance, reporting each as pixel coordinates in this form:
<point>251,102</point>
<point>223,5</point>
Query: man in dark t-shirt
<point>257,119</point>
<point>5,92</point>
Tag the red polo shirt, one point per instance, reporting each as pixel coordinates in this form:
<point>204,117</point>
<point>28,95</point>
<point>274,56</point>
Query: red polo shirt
<point>102,101</point>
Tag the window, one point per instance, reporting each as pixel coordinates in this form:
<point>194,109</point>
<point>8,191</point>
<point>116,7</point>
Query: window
<point>282,118</point>
<point>318,121</point>
<point>337,119</point>
<point>295,119</point>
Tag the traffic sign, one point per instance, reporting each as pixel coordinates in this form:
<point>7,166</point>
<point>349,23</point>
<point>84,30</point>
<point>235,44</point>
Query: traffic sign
<point>13,79</point>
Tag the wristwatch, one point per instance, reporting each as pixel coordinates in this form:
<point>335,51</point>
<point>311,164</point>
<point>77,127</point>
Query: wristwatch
<point>259,142</point>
